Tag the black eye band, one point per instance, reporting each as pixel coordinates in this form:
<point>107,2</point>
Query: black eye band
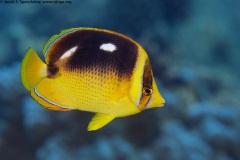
<point>147,89</point>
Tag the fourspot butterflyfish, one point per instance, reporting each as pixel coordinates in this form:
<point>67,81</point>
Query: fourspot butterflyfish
<point>94,70</point>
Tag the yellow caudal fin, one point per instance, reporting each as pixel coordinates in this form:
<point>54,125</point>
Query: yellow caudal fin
<point>48,95</point>
<point>99,120</point>
<point>32,70</point>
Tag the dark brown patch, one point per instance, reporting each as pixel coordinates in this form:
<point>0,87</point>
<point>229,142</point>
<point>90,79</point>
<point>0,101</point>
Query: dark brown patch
<point>52,70</point>
<point>89,55</point>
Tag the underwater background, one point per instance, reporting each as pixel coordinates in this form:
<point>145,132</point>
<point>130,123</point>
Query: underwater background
<point>194,49</point>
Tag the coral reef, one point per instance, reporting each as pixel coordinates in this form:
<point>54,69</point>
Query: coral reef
<point>194,51</point>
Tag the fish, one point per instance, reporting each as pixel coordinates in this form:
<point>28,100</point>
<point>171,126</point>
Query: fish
<point>93,70</point>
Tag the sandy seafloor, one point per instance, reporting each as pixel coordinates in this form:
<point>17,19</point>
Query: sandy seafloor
<point>194,49</point>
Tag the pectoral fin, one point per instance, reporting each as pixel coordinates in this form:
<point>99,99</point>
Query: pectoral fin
<point>99,120</point>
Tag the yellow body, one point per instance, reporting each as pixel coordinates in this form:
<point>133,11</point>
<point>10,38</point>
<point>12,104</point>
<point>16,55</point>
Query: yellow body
<point>102,89</point>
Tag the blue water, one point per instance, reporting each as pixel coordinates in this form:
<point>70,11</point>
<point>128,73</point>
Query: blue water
<point>194,52</point>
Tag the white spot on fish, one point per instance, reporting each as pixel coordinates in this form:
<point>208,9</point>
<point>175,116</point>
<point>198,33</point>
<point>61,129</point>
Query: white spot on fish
<point>108,47</point>
<point>69,52</point>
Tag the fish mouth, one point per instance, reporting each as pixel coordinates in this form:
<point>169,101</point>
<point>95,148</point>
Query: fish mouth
<point>163,102</point>
<point>162,105</point>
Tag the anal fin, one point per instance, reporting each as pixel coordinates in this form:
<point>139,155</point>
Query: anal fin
<point>99,120</point>
<point>47,94</point>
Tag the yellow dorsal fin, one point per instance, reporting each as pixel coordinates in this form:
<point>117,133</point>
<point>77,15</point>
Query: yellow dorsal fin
<point>32,70</point>
<point>99,120</point>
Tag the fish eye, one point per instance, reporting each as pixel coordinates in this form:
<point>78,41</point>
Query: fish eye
<point>147,91</point>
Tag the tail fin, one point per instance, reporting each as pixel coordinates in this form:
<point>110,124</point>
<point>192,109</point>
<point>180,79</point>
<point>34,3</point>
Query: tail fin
<point>32,70</point>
